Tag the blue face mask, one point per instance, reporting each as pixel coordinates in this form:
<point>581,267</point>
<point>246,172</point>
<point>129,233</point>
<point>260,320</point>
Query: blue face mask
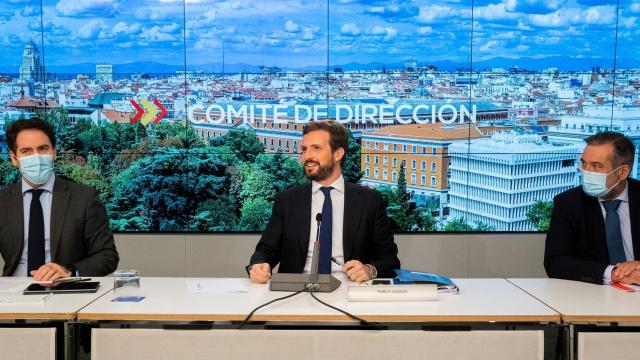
<point>595,184</point>
<point>36,168</point>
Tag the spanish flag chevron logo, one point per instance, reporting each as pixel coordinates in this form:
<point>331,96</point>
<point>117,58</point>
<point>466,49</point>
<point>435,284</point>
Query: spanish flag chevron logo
<point>148,112</point>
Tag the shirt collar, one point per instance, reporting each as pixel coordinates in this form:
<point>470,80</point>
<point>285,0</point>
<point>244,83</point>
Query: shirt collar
<point>47,186</point>
<point>337,185</point>
<point>624,195</point>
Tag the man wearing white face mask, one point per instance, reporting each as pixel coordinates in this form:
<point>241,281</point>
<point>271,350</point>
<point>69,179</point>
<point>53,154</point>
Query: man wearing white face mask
<point>50,227</point>
<point>594,234</point>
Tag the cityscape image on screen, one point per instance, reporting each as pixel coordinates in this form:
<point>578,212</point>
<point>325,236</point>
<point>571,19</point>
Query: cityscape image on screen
<point>187,115</point>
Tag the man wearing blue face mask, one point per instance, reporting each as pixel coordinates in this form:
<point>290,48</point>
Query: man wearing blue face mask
<point>50,227</point>
<point>594,234</point>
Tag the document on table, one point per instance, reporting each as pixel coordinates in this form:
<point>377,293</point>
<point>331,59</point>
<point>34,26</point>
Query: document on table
<point>216,286</point>
<point>13,285</point>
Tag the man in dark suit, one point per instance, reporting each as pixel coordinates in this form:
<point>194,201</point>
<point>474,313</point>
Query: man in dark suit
<point>50,227</point>
<point>594,234</point>
<point>354,228</point>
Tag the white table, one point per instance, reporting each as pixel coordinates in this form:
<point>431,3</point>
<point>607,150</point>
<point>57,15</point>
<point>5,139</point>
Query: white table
<point>167,299</point>
<point>583,303</point>
<point>481,301</point>
<point>56,307</point>
<point>39,341</point>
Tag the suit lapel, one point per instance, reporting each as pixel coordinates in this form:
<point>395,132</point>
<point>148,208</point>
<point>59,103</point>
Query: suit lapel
<point>302,208</point>
<point>351,219</point>
<point>634,215</point>
<point>58,212</point>
<point>595,225</point>
<point>16,221</point>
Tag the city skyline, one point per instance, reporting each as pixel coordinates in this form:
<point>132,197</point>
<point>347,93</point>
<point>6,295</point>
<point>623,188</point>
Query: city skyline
<point>523,113</point>
<point>339,33</point>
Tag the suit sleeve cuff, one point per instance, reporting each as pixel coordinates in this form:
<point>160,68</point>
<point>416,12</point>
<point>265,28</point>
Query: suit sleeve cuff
<point>606,277</point>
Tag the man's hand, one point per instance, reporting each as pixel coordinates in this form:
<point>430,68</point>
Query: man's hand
<point>357,271</point>
<point>50,272</point>
<point>633,278</point>
<point>260,273</point>
<point>624,270</point>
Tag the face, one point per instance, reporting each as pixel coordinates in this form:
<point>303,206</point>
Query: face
<point>31,142</point>
<point>319,161</point>
<point>599,158</point>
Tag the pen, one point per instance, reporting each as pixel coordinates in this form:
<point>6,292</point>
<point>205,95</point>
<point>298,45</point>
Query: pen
<point>70,280</point>
<point>336,261</point>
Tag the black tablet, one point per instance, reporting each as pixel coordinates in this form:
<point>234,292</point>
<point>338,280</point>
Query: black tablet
<point>64,288</point>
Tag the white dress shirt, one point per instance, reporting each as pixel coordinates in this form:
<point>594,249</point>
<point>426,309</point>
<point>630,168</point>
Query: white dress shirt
<point>45,200</point>
<point>337,207</point>
<point>625,228</point>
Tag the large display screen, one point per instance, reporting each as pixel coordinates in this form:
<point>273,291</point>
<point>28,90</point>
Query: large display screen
<point>187,115</point>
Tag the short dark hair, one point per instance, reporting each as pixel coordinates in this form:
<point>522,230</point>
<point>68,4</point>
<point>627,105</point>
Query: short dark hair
<point>338,134</point>
<point>34,123</point>
<point>623,149</point>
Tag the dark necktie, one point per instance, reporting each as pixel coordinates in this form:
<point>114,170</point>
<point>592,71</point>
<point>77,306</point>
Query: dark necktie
<point>613,232</point>
<point>324,263</point>
<point>35,252</point>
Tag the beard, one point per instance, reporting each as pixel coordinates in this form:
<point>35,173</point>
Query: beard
<point>322,172</point>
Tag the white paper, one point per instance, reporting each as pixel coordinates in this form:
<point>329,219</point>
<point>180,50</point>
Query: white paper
<point>216,286</point>
<point>9,285</point>
<point>23,299</point>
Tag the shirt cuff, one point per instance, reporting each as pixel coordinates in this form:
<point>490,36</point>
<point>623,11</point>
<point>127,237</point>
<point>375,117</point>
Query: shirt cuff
<point>606,277</point>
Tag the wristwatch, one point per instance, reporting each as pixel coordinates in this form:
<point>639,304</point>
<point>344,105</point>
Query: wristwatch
<point>373,271</point>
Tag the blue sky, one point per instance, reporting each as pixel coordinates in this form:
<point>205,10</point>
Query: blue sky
<point>299,33</point>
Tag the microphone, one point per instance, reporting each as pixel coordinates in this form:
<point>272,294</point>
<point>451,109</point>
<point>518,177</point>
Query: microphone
<point>312,282</point>
<point>316,251</point>
<point>318,221</point>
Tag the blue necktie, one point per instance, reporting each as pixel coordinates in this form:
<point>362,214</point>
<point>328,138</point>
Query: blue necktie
<point>613,232</point>
<point>324,263</point>
<point>35,251</point>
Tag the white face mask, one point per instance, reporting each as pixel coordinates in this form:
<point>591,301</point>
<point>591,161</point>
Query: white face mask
<point>595,184</point>
<point>36,168</point>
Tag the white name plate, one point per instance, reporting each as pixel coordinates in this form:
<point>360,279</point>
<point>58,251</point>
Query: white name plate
<point>418,292</point>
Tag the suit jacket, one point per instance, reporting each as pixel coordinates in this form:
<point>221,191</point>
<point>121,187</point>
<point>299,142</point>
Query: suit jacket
<point>80,233</point>
<point>576,246</point>
<point>367,234</point>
